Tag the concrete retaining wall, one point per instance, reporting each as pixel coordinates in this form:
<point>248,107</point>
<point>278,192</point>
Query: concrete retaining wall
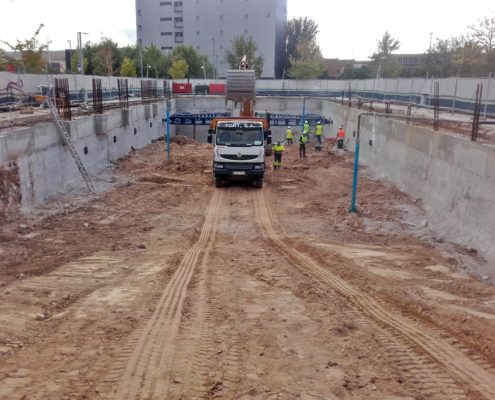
<point>45,165</point>
<point>455,178</point>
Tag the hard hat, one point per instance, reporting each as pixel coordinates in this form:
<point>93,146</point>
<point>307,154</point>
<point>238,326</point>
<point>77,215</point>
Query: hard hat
<point>288,127</point>
<point>319,122</point>
<point>341,126</point>
<point>306,122</point>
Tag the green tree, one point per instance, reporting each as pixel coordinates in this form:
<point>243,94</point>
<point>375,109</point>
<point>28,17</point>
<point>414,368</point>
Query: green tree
<point>128,68</point>
<point>383,64</point>
<point>107,58</point>
<point>483,36</point>
<point>308,62</point>
<point>194,60</point>
<point>244,46</point>
<point>75,63</point>
<point>159,63</point>
<point>31,53</point>
<point>299,30</point>
<point>350,72</point>
<point>179,68</point>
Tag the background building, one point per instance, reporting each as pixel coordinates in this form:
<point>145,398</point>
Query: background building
<point>210,25</point>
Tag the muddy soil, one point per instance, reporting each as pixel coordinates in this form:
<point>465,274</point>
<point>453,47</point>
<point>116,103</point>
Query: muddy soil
<point>165,287</point>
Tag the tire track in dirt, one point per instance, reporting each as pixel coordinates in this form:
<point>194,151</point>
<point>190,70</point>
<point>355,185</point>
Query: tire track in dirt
<point>458,365</point>
<point>197,347</point>
<point>148,365</point>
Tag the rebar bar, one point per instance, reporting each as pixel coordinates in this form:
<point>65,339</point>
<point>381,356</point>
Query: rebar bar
<point>123,93</point>
<point>62,98</point>
<point>436,105</point>
<point>477,112</point>
<point>97,97</point>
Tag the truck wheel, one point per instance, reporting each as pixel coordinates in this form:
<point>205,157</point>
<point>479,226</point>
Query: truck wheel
<point>218,182</point>
<point>258,183</point>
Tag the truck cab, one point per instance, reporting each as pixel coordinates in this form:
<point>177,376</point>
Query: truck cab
<point>239,149</point>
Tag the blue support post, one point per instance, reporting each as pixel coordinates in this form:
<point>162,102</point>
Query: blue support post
<point>303,115</point>
<point>356,168</point>
<point>168,133</point>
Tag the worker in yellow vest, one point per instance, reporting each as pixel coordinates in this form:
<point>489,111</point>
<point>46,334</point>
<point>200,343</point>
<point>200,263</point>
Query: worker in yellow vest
<point>289,136</point>
<point>303,139</point>
<point>278,149</point>
<point>306,129</point>
<point>318,132</point>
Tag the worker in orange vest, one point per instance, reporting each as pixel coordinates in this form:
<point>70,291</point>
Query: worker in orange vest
<point>340,137</point>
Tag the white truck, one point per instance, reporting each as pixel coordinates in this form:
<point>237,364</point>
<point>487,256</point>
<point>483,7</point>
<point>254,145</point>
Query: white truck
<point>239,152</point>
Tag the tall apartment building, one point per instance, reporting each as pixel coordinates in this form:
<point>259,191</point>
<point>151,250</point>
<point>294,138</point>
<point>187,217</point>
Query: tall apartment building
<point>210,25</point>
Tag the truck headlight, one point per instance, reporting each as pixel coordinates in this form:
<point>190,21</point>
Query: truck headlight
<point>259,166</point>
<point>217,165</point>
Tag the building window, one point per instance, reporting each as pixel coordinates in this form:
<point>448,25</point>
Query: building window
<point>166,48</point>
<point>178,19</point>
<point>245,15</point>
<point>268,15</point>
<point>178,3</point>
<point>245,31</point>
<point>221,16</point>
<point>178,34</point>
<point>165,19</point>
<point>197,17</point>
<point>197,33</point>
<point>139,13</point>
<point>221,31</point>
<point>140,41</point>
<point>165,3</point>
<point>140,27</point>
<point>166,33</point>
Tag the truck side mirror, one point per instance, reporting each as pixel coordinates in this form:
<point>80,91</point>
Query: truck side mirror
<point>268,139</point>
<point>210,139</point>
<point>210,131</point>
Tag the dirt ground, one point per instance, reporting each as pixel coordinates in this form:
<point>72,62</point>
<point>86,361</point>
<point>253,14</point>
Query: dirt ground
<point>164,287</point>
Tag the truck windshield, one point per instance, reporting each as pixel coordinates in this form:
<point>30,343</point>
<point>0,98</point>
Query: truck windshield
<point>227,136</point>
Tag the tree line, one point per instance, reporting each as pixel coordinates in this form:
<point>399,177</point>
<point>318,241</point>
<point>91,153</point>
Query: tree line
<point>470,54</point>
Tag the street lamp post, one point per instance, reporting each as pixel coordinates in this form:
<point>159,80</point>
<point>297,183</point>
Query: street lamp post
<point>147,69</point>
<point>214,60</point>
<point>48,55</point>
<point>79,44</point>
<point>70,55</point>
<point>204,69</point>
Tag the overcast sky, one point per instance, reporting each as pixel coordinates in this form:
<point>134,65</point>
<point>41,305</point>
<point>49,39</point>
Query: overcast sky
<point>348,29</point>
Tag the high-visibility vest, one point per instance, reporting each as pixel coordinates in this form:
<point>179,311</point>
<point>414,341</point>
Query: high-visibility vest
<point>306,128</point>
<point>289,134</point>
<point>303,139</point>
<point>278,149</point>
<point>341,134</point>
<point>319,130</point>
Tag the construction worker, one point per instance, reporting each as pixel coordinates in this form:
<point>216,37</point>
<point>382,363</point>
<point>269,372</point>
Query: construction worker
<point>278,149</point>
<point>289,136</point>
<point>340,137</point>
<point>303,139</point>
<point>318,132</point>
<point>306,130</point>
